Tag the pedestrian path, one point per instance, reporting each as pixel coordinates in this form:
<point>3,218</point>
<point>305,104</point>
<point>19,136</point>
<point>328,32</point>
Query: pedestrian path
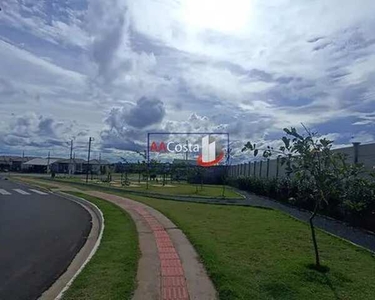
<point>25,192</point>
<point>169,268</point>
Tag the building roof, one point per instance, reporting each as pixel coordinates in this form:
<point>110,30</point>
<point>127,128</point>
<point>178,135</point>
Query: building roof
<point>40,161</point>
<point>37,161</point>
<point>9,158</point>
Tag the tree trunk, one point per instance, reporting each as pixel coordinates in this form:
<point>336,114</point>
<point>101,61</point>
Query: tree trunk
<point>317,258</point>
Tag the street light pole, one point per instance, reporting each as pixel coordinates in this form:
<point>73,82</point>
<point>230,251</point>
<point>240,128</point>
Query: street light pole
<point>71,149</point>
<point>88,160</point>
<point>71,157</point>
<point>48,160</point>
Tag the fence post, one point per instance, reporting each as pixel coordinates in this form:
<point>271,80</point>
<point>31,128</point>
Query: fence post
<point>260,169</point>
<point>356,151</point>
<point>255,167</point>
<point>268,167</point>
<point>249,171</point>
<point>277,167</point>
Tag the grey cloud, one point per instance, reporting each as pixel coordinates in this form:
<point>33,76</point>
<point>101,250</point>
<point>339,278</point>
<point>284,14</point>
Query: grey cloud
<point>46,127</point>
<point>46,143</point>
<point>105,46</point>
<point>321,46</point>
<point>134,139</point>
<point>35,131</point>
<point>127,126</point>
<point>12,140</point>
<point>111,48</point>
<point>146,112</point>
<point>260,75</point>
<point>112,139</point>
<point>314,40</point>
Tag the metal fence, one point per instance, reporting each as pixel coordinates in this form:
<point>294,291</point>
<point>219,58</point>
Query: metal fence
<point>272,168</point>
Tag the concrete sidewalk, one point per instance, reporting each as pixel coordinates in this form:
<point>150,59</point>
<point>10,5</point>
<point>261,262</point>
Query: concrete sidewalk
<point>169,267</point>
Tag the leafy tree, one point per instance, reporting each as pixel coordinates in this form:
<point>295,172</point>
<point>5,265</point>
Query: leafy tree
<point>143,167</point>
<point>321,173</point>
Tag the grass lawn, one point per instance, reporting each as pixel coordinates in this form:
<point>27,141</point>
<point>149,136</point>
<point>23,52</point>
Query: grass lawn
<point>253,253</point>
<point>176,188</point>
<point>112,271</point>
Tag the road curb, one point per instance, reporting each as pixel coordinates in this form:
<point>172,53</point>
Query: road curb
<point>82,258</point>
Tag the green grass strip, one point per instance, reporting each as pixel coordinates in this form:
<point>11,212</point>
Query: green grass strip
<point>179,189</point>
<point>111,273</point>
<point>253,253</point>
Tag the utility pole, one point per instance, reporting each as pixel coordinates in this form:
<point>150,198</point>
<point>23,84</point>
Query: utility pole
<point>71,149</point>
<point>23,159</point>
<point>100,164</point>
<point>48,159</point>
<point>71,156</point>
<point>88,159</point>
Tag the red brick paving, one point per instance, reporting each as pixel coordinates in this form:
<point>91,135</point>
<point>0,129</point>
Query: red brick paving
<point>173,282</point>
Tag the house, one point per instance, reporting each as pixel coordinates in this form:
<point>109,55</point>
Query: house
<point>52,164</point>
<point>41,165</point>
<point>5,163</point>
<point>96,166</point>
<point>65,166</point>
<point>12,163</point>
<point>70,166</point>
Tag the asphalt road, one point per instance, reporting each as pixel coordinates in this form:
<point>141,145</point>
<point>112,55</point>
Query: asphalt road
<point>40,233</point>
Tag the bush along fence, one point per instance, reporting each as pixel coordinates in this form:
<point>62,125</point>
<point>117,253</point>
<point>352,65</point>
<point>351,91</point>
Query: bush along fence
<point>308,174</point>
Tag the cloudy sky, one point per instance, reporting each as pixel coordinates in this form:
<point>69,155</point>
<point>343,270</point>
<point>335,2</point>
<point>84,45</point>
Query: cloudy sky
<point>117,69</point>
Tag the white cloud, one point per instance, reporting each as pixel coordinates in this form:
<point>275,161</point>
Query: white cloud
<point>249,67</point>
<point>34,18</point>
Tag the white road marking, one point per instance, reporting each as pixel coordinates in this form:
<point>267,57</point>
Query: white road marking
<point>21,192</point>
<point>4,192</point>
<point>38,192</point>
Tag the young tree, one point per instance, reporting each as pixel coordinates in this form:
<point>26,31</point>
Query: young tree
<point>312,163</point>
<point>145,166</point>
